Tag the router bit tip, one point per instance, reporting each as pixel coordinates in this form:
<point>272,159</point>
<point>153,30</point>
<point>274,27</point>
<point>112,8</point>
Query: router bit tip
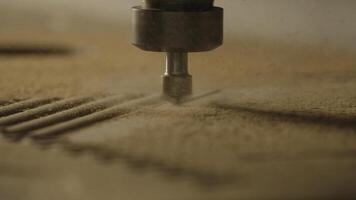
<point>176,88</point>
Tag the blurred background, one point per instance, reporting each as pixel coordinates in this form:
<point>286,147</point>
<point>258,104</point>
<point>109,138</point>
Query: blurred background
<point>326,22</point>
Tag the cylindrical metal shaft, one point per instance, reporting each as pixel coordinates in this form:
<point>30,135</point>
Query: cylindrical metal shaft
<point>177,83</point>
<point>177,63</point>
<point>177,27</point>
<point>179,4</point>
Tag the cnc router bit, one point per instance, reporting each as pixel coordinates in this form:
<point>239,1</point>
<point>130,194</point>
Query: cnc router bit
<point>177,27</point>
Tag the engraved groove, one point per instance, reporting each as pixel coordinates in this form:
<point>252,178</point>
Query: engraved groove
<point>50,116</point>
<point>66,115</point>
<point>95,117</point>
<point>43,110</point>
<point>23,105</point>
